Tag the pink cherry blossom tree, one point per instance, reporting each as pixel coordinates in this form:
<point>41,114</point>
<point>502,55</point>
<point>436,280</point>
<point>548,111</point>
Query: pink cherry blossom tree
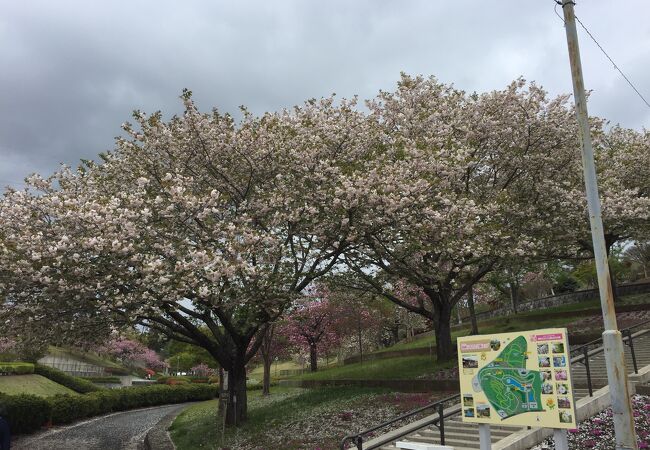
<point>133,353</point>
<point>311,326</point>
<point>275,344</point>
<point>202,370</point>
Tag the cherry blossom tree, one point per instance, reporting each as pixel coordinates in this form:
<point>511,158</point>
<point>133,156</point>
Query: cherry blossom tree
<point>7,345</point>
<point>133,353</point>
<point>200,228</point>
<point>202,370</point>
<point>455,189</point>
<point>311,326</point>
<point>275,344</point>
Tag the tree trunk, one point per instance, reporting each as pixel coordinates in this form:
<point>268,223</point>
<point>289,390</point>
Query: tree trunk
<point>313,358</point>
<point>236,412</point>
<point>472,312</point>
<point>395,331</point>
<point>266,383</point>
<point>360,339</point>
<point>221,377</point>
<point>444,347</point>
<point>267,359</point>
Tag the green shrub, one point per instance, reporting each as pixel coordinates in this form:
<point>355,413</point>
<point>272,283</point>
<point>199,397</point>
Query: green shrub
<point>259,386</point>
<point>173,380</point>
<point>117,371</point>
<point>75,383</point>
<point>68,408</point>
<point>213,380</point>
<point>16,368</point>
<point>103,380</point>
<point>25,413</point>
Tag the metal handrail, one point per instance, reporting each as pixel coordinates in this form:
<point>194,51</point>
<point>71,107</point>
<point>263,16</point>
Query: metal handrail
<point>357,438</point>
<point>583,354</point>
<point>583,358</point>
<point>581,348</point>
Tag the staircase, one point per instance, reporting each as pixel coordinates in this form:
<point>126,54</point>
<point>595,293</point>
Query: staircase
<point>464,436</point>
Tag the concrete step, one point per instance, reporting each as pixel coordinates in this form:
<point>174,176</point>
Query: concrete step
<point>472,427</point>
<point>458,420</point>
<point>434,433</point>
<point>392,447</point>
<point>466,441</point>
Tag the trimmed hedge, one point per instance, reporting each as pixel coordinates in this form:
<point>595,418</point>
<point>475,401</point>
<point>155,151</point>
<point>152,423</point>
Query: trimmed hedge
<point>27,413</point>
<point>102,380</point>
<point>173,380</point>
<point>259,386</point>
<point>75,383</point>
<point>24,412</point>
<point>184,380</point>
<point>117,371</point>
<point>16,368</point>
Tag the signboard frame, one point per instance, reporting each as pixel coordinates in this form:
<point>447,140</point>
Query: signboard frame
<point>517,379</point>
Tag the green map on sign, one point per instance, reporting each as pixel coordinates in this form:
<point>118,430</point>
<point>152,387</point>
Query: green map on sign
<point>508,385</point>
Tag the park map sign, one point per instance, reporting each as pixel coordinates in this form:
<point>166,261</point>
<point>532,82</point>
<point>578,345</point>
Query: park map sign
<point>521,378</point>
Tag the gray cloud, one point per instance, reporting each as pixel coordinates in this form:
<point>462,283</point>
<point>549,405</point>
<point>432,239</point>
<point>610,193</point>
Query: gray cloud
<point>72,71</point>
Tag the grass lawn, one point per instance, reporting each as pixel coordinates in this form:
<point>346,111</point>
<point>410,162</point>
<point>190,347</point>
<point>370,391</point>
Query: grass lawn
<point>257,374</point>
<point>521,321</point>
<point>292,419</point>
<point>279,421</point>
<point>423,366</point>
<point>404,368</point>
<point>32,384</point>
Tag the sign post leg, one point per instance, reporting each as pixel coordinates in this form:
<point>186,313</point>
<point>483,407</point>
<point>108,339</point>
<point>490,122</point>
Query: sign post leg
<point>561,439</point>
<point>485,437</point>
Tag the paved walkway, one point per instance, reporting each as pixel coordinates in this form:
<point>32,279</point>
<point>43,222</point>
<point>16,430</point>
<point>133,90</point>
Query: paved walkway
<point>118,431</point>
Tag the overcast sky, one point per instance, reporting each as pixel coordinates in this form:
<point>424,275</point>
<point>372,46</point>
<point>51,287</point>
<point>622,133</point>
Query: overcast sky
<point>72,71</point>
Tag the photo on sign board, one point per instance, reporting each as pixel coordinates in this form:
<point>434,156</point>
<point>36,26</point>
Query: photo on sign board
<point>547,388</point>
<point>468,400</point>
<point>470,362</point>
<point>547,375</point>
<point>469,412</point>
<point>565,417</point>
<point>544,361</point>
<point>559,361</point>
<point>483,410</point>
<point>560,375</point>
<point>495,344</point>
<point>562,388</point>
<point>558,347</point>
<point>542,349</point>
<point>563,402</point>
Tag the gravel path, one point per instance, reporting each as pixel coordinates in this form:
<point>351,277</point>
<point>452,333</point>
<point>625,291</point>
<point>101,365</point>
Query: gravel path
<point>118,431</point>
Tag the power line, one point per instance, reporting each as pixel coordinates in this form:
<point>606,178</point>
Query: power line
<point>557,2</point>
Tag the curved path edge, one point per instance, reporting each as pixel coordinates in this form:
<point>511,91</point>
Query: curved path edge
<point>158,437</point>
<point>104,432</point>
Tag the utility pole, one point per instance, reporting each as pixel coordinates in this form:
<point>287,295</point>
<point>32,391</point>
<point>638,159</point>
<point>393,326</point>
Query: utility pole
<point>612,338</point>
